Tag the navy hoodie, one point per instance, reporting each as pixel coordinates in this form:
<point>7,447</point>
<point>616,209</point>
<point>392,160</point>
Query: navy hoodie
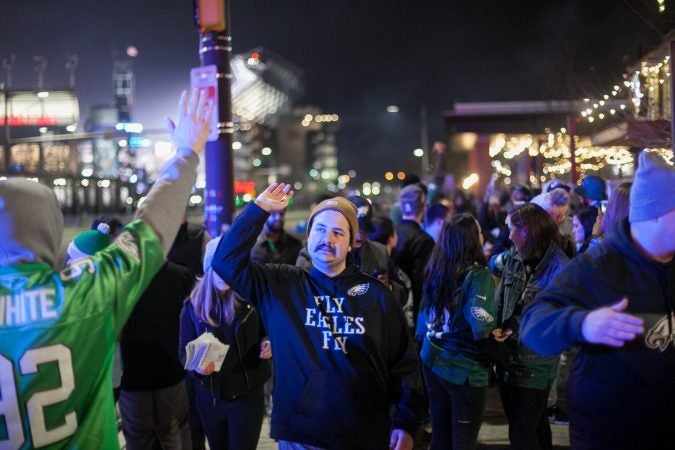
<point>612,391</point>
<point>342,352</point>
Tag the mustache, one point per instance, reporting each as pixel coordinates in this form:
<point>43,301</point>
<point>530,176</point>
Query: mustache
<point>324,246</point>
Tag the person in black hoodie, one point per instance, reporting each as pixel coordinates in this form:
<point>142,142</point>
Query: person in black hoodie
<point>230,402</point>
<point>414,246</point>
<point>343,355</point>
<point>617,303</point>
<point>153,399</point>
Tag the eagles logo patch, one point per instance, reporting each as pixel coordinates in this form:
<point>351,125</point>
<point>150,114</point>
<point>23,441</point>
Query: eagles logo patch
<point>359,289</point>
<point>658,337</point>
<point>481,314</point>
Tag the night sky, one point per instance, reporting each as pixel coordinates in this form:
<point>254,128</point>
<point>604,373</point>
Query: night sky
<point>358,56</point>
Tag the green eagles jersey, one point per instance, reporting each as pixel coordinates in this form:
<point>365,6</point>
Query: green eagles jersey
<point>57,337</point>
<point>450,349</point>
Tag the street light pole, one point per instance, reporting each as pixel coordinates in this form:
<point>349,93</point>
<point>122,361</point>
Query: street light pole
<point>424,139</point>
<point>215,50</point>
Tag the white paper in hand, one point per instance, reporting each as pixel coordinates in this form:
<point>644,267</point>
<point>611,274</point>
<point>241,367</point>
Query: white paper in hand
<point>205,349</point>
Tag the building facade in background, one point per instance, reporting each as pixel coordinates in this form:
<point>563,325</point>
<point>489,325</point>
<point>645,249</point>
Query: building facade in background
<point>110,165</point>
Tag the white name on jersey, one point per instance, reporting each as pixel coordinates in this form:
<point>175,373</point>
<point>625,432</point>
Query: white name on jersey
<point>27,306</point>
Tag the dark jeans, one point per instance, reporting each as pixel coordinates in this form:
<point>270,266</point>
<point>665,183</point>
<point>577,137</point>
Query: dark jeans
<point>196,429</point>
<point>528,420</point>
<point>160,414</point>
<point>232,424</point>
<point>456,412</point>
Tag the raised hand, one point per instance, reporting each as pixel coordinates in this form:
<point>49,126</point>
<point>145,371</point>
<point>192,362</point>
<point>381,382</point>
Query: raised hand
<point>610,326</point>
<point>275,197</point>
<point>194,119</point>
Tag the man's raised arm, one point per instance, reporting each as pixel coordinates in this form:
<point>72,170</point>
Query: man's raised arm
<point>232,261</point>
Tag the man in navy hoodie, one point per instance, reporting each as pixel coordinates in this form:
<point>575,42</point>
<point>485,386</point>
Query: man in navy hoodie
<point>617,302</point>
<point>342,352</point>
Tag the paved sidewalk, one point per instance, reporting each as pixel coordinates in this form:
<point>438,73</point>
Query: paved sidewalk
<point>494,434</point>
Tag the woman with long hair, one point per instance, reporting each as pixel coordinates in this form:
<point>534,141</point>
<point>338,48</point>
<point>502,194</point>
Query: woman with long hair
<point>617,207</point>
<point>230,402</point>
<point>459,315</point>
<point>537,258</point>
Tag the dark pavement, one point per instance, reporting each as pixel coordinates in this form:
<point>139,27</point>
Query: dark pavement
<point>493,433</point>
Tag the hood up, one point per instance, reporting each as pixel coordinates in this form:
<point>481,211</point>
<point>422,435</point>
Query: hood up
<point>31,223</point>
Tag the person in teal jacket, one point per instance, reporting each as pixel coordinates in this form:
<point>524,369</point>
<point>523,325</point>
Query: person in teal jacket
<point>58,329</point>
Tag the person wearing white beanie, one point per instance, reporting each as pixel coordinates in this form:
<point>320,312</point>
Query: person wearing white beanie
<point>556,202</point>
<point>230,401</point>
<point>616,303</point>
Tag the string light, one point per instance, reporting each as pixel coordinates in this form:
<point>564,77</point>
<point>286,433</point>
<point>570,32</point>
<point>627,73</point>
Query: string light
<point>501,169</point>
<point>513,146</point>
<point>556,153</point>
<point>665,153</point>
<point>645,89</point>
<point>643,92</point>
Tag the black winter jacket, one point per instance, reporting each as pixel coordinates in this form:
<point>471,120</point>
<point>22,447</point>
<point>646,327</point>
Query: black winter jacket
<point>412,254</point>
<point>150,336</point>
<point>242,371</point>
<point>613,391</point>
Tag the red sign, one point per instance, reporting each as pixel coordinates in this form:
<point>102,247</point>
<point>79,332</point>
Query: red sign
<point>36,121</point>
<point>244,187</point>
<point>38,109</point>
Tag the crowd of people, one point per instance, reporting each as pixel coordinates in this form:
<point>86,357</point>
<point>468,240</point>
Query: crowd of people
<point>368,332</point>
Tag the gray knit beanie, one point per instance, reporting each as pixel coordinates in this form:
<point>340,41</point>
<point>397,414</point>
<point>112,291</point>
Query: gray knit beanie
<point>653,192</point>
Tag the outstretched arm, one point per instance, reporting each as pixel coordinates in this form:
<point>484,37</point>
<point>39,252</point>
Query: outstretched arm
<point>572,310</point>
<point>166,201</point>
<point>610,326</point>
